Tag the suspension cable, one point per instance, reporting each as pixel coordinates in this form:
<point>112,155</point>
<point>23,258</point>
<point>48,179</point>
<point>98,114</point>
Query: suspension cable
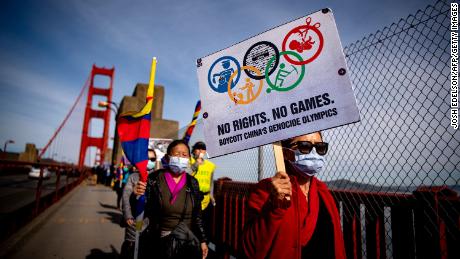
<point>65,119</point>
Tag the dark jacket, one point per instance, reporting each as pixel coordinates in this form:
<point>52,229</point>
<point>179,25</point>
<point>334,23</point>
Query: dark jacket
<point>154,203</point>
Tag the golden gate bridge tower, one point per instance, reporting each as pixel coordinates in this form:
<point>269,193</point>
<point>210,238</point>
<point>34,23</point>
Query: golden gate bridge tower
<point>100,143</point>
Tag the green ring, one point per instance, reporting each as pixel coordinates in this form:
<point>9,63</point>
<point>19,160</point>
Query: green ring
<point>274,87</point>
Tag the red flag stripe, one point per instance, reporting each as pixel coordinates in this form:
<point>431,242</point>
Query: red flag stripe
<point>143,174</point>
<point>132,130</point>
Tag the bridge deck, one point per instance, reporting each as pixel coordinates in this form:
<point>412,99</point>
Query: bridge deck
<point>83,225</point>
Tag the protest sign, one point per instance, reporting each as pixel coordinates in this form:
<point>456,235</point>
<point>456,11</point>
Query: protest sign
<point>285,82</point>
<point>160,145</point>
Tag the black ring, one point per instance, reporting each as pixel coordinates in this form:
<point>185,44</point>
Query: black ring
<point>262,70</point>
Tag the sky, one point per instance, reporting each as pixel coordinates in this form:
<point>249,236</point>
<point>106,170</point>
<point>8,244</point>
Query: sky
<point>47,49</point>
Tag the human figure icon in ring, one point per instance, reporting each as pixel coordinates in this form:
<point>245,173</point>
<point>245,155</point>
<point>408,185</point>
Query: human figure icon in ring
<point>304,44</point>
<point>283,73</point>
<point>224,75</point>
<point>247,92</point>
<point>249,86</point>
<point>305,39</point>
<point>286,78</point>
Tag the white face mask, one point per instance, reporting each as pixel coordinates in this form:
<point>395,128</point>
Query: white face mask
<point>309,164</point>
<point>200,155</point>
<point>150,165</point>
<point>179,165</point>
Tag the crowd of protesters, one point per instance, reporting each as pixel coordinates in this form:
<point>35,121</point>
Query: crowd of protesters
<point>105,174</point>
<point>293,211</point>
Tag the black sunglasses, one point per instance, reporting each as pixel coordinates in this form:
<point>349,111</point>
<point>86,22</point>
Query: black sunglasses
<point>153,159</point>
<point>305,147</point>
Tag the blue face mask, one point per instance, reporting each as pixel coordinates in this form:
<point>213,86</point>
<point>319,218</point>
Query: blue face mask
<point>163,162</point>
<point>179,165</point>
<point>309,164</point>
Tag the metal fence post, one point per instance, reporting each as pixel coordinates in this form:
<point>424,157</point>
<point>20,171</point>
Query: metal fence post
<point>432,240</point>
<point>58,181</point>
<point>38,192</point>
<point>260,163</point>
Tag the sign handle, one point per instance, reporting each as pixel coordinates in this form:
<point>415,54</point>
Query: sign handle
<point>279,160</point>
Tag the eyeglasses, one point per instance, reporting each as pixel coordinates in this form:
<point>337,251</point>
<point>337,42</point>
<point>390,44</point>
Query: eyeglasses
<point>305,147</point>
<point>153,159</point>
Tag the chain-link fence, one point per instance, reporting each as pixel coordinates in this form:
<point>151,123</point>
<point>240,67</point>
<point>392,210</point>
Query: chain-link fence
<point>401,82</point>
<point>404,140</point>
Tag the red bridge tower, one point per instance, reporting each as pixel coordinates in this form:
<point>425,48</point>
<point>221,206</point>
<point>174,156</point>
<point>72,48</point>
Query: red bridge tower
<point>100,142</point>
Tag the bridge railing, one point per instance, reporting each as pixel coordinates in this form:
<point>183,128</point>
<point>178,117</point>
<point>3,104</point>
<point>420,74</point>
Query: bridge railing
<point>375,225</point>
<point>14,220</point>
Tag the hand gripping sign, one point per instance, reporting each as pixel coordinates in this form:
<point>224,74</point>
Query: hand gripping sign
<point>285,82</point>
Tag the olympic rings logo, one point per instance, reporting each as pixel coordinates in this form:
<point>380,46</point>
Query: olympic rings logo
<point>264,62</point>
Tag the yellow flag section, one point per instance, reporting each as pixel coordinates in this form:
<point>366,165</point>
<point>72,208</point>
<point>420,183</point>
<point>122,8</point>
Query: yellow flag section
<point>149,99</point>
<point>204,176</point>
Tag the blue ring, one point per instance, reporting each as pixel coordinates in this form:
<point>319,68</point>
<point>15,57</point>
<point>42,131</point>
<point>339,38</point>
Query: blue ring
<point>226,86</point>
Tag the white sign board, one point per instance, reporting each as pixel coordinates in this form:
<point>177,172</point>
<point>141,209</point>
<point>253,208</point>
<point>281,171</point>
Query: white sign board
<point>160,145</point>
<point>282,83</point>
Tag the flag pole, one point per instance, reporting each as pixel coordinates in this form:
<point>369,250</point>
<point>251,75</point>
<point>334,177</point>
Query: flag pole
<point>191,126</point>
<point>143,173</point>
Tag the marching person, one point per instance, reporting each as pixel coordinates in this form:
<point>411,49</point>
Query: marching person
<point>173,205</point>
<point>120,182</point>
<point>294,215</point>
<point>203,171</point>
<point>129,206</point>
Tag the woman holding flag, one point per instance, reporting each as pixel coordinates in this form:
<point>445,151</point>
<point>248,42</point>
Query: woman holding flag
<point>173,201</point>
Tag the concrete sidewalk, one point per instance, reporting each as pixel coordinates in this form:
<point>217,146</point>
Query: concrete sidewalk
<point>83,225</point>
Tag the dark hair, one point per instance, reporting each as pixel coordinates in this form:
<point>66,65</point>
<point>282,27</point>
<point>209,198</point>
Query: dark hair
<point>153,150</point>
<point>175,143</point>
<point>199,145</point>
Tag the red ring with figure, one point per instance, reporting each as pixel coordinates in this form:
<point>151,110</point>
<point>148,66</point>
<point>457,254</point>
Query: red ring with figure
<point>297,29</point>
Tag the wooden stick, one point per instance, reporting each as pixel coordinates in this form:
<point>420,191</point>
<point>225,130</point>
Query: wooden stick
<point>279,160</point>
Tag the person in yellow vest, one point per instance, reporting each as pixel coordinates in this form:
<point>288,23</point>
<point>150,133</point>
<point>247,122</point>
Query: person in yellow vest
<point>203,171</point>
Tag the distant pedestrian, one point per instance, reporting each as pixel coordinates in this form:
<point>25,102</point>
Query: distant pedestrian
<point>203,171</point>
<point>121,182</point>
<point>100,174</point>
<point>108,175</point>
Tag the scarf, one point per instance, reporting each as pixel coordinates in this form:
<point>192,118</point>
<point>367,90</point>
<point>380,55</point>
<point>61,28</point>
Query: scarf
<point>174,187</point>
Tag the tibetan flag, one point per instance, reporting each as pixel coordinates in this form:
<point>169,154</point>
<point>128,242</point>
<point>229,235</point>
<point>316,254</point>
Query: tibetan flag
<point>192,124</point>
<point>134,130</point>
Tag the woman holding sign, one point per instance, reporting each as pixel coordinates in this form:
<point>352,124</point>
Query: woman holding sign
<point>173,208</point>
<point>294,215</point>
